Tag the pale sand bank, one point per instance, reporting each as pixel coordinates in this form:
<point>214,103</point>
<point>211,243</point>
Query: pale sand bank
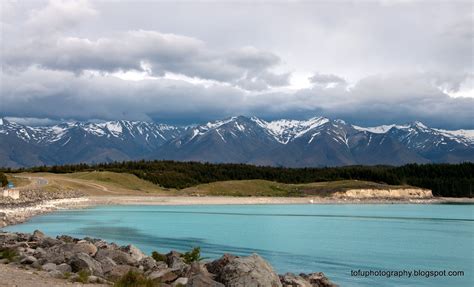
<point>20,214</point>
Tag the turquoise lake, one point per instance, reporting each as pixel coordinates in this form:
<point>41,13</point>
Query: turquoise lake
<point>334,239</point>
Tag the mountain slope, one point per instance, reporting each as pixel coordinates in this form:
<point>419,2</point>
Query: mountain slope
<point>309,143</point>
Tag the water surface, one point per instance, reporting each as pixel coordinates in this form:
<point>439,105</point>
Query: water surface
<point>334,239</point>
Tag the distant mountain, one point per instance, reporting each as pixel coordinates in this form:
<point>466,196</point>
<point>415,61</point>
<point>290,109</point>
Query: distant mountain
<point>76,142</point>
<point>308,143</point>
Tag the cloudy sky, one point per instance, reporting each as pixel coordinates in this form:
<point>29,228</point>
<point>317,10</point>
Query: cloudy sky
<point>367,62</point>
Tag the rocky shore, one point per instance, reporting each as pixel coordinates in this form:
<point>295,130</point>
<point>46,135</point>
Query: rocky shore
<point>36,201</point>
<point>95,261</point>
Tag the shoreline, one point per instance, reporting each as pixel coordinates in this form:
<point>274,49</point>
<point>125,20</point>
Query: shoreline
<point>19,214</point>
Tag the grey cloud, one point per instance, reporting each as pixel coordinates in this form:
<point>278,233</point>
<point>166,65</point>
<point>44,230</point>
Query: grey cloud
<point>41,93</point>
<point>59,15</point>
<point>47,54</point>
<point>325,79</point>
<point>123,51</point>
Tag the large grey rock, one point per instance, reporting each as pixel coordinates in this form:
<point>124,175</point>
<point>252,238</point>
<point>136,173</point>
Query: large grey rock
<point>49,267</point>
<point>37,235</point>
<point>172,257</point>
<point>199,276</point>
<point>181,281</point>
<point>249,271</point>
<point>196,268</point>
<point>148,263</point>
<point>106,263</point>
<point>163,276</point>
<point>134,252</point>
<point>201,280</point>
<point>48,242</point>
<point>82,261</point>
<point>28,260</point>
<point>59,253</point>
<point>216,266</point>
<point>67,239</point>
<point>176,263</point>
<point>8,238</point>
<point>117,256</point>
<point>118,271</point>
<point>64,268</point>
<point>292,280</point>
<point>318,279</point>
<point>56,274</point>
<point>85,247</point>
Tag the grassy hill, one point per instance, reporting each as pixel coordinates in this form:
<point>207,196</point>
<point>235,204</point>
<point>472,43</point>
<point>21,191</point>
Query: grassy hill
<point>271,188</point>
<point>92,183</point>
<point>111,183</point>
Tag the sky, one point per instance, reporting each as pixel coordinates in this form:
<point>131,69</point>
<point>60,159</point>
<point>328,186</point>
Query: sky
<point>183,62</point>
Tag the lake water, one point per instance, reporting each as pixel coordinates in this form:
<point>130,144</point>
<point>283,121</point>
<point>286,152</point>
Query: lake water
<point>334,239</point>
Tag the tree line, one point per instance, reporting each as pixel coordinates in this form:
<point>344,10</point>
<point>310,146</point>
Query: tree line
<point>449,180</point>
<point>3,179</point>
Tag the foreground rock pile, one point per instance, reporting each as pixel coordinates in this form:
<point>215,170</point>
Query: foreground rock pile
<point>96,261</point>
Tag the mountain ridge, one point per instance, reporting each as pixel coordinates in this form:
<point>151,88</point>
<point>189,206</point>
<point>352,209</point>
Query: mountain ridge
<point>318,141</point>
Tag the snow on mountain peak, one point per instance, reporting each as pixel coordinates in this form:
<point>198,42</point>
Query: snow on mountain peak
<point>115,128</point>
<point>285,130</point>
<point>376,130</point>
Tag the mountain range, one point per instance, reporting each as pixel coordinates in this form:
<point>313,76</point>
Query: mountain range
<point>314,142</point>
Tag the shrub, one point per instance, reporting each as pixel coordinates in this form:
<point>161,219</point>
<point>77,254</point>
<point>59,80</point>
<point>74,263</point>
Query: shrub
<point>158,256</point>
<point>3,179</point>
<point>8,253</point>
<point>83,276</point>
<point>135,279</point>
<point>193,255</point>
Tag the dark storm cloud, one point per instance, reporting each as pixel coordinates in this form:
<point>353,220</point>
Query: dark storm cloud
<point>58,94</point>
<point>62,59</point>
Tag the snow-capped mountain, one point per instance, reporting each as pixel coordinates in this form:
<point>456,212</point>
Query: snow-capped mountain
<point>314,142</point>
<point>74,142</point>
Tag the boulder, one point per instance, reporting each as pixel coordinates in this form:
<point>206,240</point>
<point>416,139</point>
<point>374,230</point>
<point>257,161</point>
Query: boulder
<point>134,252</point>
<point>118,271</point>
<point>176,263</point>
<point>63,268</point>
<point>199,276</point>
<point>56,274</point>
<point>173,256</point>
<point>49,267</point>
<point>197,268</point>
<point>48,242</point>
<point>67,239</point>
<point>201,280</point>
<point>8,238</point>
<point>163,276</point>
<point>148,263</point>
<point>37,235</point>
<point>249,271</point>
<point>181,281</point>
<point>82,261</point>
<point>60,253</point>
<point>37,264</point>
<point>292,280</point>
<point>85,247</point>
<point>107,264</point>
<point>117,256</point>
<point>217,265</point>
<point>28,260</point>
<point>318,279</point>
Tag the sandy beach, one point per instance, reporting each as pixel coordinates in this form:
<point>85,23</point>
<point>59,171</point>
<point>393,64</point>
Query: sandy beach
<point>15,215</point>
